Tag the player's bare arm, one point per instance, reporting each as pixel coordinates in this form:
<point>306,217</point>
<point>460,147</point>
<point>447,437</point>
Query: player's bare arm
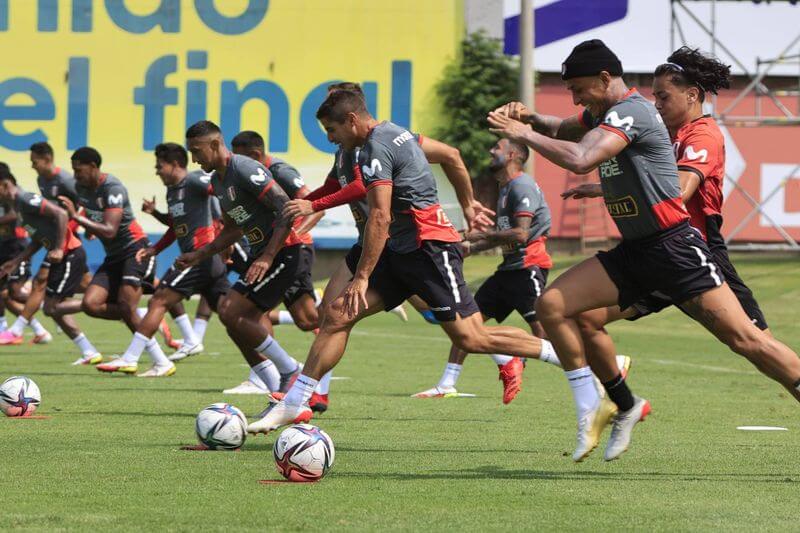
<point>106,229</point>
<point>376,232</point>
<point>274,199</point>
<point>584,190</point>
<point>568,129</point>
<point>310,219</point>
<point>51,210</point>
<point>149,207</point>
<point>230,234</point>
<point>581,157</point>
<point>690,181</point>
<point>485,240</point>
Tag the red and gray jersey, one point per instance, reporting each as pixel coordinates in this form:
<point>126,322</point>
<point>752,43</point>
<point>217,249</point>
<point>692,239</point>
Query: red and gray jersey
<point>240,191</point>
<point>522,197</point>
<point>700,148</point>
<point>11,231</point>
<point>640,184</point>
<point>189,207</point>
<point>111,195</point>
<point>392,156</point>
<point>60,184</point>
<point>345,171</point>
<point>42,228</point>
<point>291,182</point>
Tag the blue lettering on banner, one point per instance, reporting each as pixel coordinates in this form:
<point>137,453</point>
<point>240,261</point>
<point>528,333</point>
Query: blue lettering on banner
<point>43,108</point>
<point>154,96</point>
<point>267,91</point>
<point>167,16</point>
<point>78,103</point>
<point>251,17</point>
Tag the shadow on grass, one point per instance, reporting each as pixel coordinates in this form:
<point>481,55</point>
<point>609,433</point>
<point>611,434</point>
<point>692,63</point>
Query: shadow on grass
<point>495,472</point>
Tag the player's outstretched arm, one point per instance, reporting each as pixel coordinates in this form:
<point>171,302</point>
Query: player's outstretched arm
<point>51,210</point>
<point>310,220</point>
<point>106,229</point>
<point>568,129</point>
<point>485,240</point>
<point>149,207</point>
<point>230,234</point>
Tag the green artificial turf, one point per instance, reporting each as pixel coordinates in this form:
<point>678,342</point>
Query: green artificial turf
<point>108,457</point>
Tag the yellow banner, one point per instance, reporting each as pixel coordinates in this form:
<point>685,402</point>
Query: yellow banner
<point>122,76</point>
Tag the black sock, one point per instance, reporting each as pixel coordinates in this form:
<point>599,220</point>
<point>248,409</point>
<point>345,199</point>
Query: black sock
<point>619,393</point>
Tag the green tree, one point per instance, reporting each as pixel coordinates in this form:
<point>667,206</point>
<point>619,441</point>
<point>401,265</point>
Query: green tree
<point>482,79</point>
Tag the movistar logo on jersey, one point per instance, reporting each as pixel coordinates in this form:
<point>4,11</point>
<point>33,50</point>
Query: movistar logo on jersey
<point>115,199</point>
<point>374,166</point>
<point>35,201</point>
<point>613,119</point>
<point>260,178</point>
<point>691,155</point>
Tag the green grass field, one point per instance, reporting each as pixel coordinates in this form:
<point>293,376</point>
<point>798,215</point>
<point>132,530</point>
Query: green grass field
<point>108,457</point>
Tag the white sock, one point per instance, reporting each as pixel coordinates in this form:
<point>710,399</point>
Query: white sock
<point>499,359</point>
<point>301,390</point>
<point>272,350</point>
<point>84,345</point>
<point>548,354</point>
<point>3,323</point>
<point>324,384</point>
<point>266,375</point>
<point>141,311</point>
<point>136,347</point>
<point>37,327</point>
<point>285,318</point>
<point>317,301</point>
<point>584,391</point>
<point>187,331</point>
<point>18,326</point>
<point>450,376</point>
<point>200,325</point>
<point>156,353</point>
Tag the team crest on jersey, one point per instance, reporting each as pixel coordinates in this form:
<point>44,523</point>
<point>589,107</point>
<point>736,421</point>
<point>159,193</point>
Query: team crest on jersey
<point>232,193</point>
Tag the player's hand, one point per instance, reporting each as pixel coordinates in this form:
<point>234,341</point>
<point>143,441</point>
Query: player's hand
<point>466,248</point>
<point>483,217</point>
<point>69,206</point>
<point>505,126</point>
<point>258,269</point>
<point>8,267</point>
<point>149,206</point>
<point>189,259</point>
<point>55,255</point>
<point>584,190</point>
<point>143,254</point>
<point>297,208</point>
<point>517,111</point>
<point>355,296</point>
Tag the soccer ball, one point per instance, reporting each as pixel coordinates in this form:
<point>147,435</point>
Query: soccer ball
<point>19,396</point>
<point>221,426</point>
<point>303,453</point>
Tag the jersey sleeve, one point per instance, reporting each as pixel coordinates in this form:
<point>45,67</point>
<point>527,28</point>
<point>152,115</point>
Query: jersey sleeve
<point>114,197</point>
<point>626,119</point>
<point>288,178</point>
<point>701,154</point>
<point>524,199</point>
<point>377,163</point>
<point>30,203</point>
<point>255,178</point>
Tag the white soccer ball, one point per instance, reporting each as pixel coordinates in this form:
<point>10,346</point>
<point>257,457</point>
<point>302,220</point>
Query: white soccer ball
<point>19,396</point>
<point>303,453</point>
<point>221,426</point>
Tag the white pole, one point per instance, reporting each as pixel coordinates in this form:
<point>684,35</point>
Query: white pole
<point>526,47</point>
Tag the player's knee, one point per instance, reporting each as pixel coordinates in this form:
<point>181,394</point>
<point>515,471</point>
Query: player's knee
<point>49,308</point>
<point>335,317</point>
<point>91,307</point>
<point>747,345</point>
<point>549,307</point>
<point>306,323</point>
<point>227,313</point>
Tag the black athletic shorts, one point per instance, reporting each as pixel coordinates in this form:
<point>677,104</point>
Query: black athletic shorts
<point>209,279</point>
<point>9,250</point>
<point>302,283</point>
<point>674,263</point>
<point>115,272</point>
<point>352,258</point>
<point>511,290</point>
<point>269,292</point>
<point>65,277</point>
<point>655,303</point>
<point>433,272</point>
<point>239,260</point>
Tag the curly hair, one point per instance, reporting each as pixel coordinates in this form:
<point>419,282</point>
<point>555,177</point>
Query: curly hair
<point>689,67</point>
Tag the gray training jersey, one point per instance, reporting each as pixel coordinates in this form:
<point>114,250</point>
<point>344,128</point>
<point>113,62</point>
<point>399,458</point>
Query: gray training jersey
<point>190,211</point>
<point>346,172</point>
<point>522,197</point>
<point>640,184</point>
<point>239,192</point>
<point>61,184</point>
<point>392,156</point>
<point>42,228</point>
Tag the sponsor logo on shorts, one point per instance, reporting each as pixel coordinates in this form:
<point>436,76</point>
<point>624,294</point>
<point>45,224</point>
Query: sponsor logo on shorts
<point>622,207</point>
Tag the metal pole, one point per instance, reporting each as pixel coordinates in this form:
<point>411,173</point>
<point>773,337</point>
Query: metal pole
<point>526,45</point>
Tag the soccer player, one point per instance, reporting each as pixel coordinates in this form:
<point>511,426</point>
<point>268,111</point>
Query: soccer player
<point>410,247</point>
<point>63,268</point>
<point>251,206</point>
<point>623,135</point>
<point>116,288</point>
<point>193,227</point>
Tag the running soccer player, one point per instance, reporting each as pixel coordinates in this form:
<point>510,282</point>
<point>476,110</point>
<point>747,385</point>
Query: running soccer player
<point>623,135</point>
<point>63,268</point>
<point>116,288</point>
<point>410,247</point>
<point>193,227</point>
<point>251,206</point>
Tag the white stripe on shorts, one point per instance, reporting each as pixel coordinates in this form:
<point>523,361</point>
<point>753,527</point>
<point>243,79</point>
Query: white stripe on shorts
<point>180,276</point>
<point>452,276</point>
<point>536,284</point>
<point>269,278</point>
<point>712,268</point>
<point>150,266</point>
<point>65,278</point>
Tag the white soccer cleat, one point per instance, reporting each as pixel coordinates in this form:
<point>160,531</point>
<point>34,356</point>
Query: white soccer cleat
<point>280,414</point>
<point>185,351</point>
<point>437,392</point>
<point>89,359</point>
<point>622,428</point>
<point>118,365</point>
<point>590,427</point>
<point>158,371</point>
<point>246,387</point>
<point>400,312</point>
<point>44,338</point>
